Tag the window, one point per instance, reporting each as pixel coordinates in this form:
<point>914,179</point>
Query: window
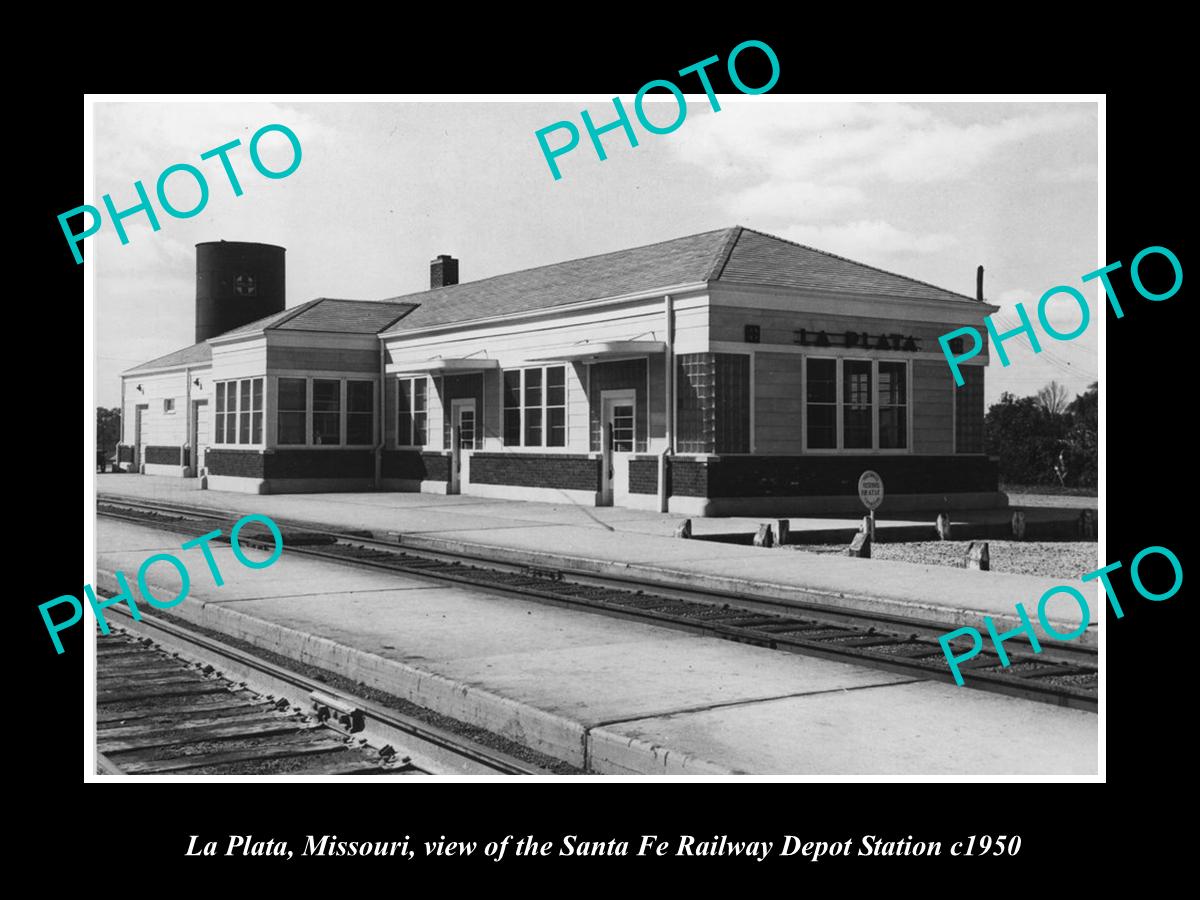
<point>219,415</point>
<point>238,418</point>
<point>535,407</point>
<point>327,411</point>
<point>893,405</point>
<point>856,404</point>
<point>466,427</point>
<point>622,428</point>
<point>821,404</point>
<point>556,406</point>
<point>512,408</point>
<point>244,412</point>
<point>360,412</point>
<point>169,405</point>
<point>412,414</point>
<point>323,401</point>
<point>293,410</point>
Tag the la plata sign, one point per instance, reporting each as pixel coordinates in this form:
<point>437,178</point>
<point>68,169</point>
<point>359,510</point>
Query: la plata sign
<point>806,338</point>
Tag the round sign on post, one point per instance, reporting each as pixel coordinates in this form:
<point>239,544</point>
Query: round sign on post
<point>870,492</point>
<point>870,489</point>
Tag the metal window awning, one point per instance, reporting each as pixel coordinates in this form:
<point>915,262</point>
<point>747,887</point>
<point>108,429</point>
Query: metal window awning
<point>600,350</point>
<point>452,366</point>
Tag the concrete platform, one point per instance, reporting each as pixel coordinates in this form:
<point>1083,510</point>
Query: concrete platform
<point>616,696</point>
<point>640,544</point>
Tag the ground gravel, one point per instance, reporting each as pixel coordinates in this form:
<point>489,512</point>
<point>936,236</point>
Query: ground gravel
<point>1050,559</point>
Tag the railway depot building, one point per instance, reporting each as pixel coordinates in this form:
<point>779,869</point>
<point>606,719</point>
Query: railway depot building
<point>729,372</point>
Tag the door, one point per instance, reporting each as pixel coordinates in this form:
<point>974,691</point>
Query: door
<point>137,437</point>
<point>462,437</point>
<point>201,434</point>
<point>618,421</point>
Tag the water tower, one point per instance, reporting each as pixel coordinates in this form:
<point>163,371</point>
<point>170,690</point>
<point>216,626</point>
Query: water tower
<point>236,283</point>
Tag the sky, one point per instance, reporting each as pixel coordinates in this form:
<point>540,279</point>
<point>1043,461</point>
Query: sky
<point>927,190</point>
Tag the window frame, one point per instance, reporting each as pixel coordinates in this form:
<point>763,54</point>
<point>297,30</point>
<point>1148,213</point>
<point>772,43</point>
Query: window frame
<point>232,414</point>
<point>313,412</point>
<point>544,407</point>
<point>879,405</point>
<point>347,412</point>
<point>304,429</point>
<point>408,444</point>
<point>841,449</point>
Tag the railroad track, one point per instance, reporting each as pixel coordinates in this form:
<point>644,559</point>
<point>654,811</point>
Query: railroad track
<point>1063,674</point>
<point>172,701</point>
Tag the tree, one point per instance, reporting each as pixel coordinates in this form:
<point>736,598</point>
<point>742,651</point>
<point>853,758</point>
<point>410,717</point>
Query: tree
<point>1044,440</point>
<point>1085,408</point>
<point>1053,398</point>
<point>1026,438</point>
<point>1082,439</point>
<point>108,429</point>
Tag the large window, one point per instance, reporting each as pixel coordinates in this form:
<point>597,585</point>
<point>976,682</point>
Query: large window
<point>314,412</point>
<point>412,414</point>
<point>535,407</point>
<point>293,410</point>
<point>360,412</point>
<point>856,404</point>
<point>238,417</point>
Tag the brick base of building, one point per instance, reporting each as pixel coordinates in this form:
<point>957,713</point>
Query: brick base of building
<point>555,471</point>
<point>698,486</point>
<point>828,485</point>
<point>828,476</point>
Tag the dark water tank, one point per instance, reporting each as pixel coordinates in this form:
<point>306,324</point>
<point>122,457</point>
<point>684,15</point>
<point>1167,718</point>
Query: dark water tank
<point>236,283</point>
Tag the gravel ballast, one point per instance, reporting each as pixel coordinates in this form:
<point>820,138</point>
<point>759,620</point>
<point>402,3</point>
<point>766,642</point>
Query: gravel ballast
<point>1049,559</point>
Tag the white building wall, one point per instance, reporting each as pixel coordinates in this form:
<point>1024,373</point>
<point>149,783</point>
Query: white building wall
<point>161,428</point>
<point>520,343</point>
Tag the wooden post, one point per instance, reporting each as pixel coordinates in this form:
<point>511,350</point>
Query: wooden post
<point>1018,525</point>
<point>860,546</point>
<point>764,537</point>
<point>943,526</point>
<point>1087,524</point>
<point>784,527</point>
<point>978,556</point>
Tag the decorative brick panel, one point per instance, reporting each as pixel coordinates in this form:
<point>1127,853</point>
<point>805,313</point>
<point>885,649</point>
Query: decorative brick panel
<point>415,465</point>
<point>238,463</point>
<point>319,464</point>
<point>161,456</point>
<point>549,470</point>
<point>124,453</point>
<point>687,477</point>
<point>643,476</point>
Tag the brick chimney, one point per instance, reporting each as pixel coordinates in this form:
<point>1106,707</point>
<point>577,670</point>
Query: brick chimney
<point>443,272</point>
